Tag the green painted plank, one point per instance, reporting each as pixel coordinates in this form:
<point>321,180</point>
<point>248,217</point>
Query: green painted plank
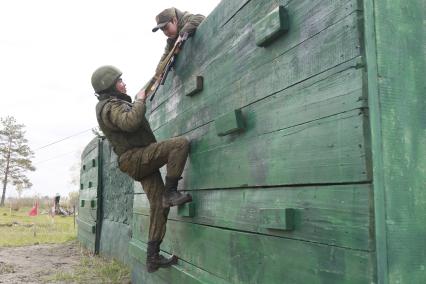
<point>114,240</point>
<point>398,103</point>
<point>256,85</point>
<point>319,97</point>
<point>87,213</point>
<point>117,189</point>
<point>183,272</point>
<point>242,257</point>
<point>376,140</point>
<point>223,77</point>
<point>89,177</point>
<point>88,194</point>
<point>331,150</point>
<point>86,233</point>
<point>333,92</point>
<point>93,144</point>
<point>87,240</point>
<point>304,25</point>
<point>86,226</point>
<point>337,215</point>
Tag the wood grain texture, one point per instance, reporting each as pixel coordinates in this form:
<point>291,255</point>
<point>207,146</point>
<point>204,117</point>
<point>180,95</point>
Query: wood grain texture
<point>225,69</point>
<point>251,258</point>
<point>397,102</point>
<point>334,215</point>
<point>183,272</point>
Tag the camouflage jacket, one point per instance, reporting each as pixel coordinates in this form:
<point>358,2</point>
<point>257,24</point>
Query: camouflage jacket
<point>124,124</point>
<point>187,23</point>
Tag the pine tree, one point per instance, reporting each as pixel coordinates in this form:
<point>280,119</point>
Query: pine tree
<point>15,155</point>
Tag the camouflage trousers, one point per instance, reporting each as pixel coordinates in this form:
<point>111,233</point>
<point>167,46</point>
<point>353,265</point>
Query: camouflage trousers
<point>143,165</point>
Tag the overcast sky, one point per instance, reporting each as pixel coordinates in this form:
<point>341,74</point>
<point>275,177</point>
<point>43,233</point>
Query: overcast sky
<point>48,51</point>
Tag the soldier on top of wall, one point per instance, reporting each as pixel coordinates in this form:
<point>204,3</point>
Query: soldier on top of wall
<point>174,23</point>
<point>140,155</point>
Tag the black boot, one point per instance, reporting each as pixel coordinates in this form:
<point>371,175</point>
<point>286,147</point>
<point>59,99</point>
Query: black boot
<point>154,260</point>
<point>171,196</point>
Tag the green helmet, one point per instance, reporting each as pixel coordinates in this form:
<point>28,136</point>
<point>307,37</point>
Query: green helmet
<point>105,77</point>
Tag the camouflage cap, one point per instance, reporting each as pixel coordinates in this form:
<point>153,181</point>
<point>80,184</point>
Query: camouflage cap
<point>163,18</point>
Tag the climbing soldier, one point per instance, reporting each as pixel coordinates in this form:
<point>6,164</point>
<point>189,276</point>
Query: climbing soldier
<point>140,155</point>
<point>174,24</point>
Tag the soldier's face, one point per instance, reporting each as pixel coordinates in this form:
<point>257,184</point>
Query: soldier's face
<point>171,29</point>
<point>121,86</point>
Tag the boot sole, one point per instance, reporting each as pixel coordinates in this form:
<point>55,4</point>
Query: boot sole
<point>171,204</point>
<point>154,267</point>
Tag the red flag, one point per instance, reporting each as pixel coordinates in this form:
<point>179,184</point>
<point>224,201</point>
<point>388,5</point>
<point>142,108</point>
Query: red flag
<point>34,210</point>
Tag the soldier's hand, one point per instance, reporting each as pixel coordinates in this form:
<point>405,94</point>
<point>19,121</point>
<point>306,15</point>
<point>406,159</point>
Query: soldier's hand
<point>141,95</point>
<point>178,41</point>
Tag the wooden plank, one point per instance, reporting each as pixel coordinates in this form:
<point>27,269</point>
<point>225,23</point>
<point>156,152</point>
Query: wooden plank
<point>86,226</point>
<point>86,239</point>
<point>183,272</point>
<point>223,77</point>
<point>309,18</point>
<point>87,213</point>
<point>396,72</point>
<point>240,257</point>
<point>89,177</point>
<point>91,147</point>
<point>337,215</point>
<point>338,90</point>
<point>192,118</point>
<point>376,145</point>
<point>88,194</point>
<point>114,240</point>
<point>117,189</point>
<point>331,150</point>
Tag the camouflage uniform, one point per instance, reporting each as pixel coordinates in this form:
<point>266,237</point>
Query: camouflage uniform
<point>187,23</point>
<point>140,155</point>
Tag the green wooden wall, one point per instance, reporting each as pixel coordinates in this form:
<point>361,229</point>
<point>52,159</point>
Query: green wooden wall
<point>302,144</point>
<point>87,219</point>
<point>397,68</point>
<point>307,156</point>
<point>106,202</point>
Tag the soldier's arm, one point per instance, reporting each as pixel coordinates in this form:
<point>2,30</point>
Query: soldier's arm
<point>126,117</point>
<point>191,25</point>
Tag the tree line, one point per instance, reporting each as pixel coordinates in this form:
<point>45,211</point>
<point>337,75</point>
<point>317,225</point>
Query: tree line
<point>15,156</point>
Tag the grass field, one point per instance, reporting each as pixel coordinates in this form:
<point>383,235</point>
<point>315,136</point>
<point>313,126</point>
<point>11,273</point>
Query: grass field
<point>18,229</point>
<point>94,270</point>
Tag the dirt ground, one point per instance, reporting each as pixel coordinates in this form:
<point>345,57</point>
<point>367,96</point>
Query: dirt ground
<point>30,264</point>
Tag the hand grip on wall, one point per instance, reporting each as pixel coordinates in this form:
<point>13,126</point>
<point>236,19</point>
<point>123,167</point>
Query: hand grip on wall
<point>186,210</point>
<point>229,123</point>
<point>277,218</point>
<point>273,25</point>
<point>194,85</point>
